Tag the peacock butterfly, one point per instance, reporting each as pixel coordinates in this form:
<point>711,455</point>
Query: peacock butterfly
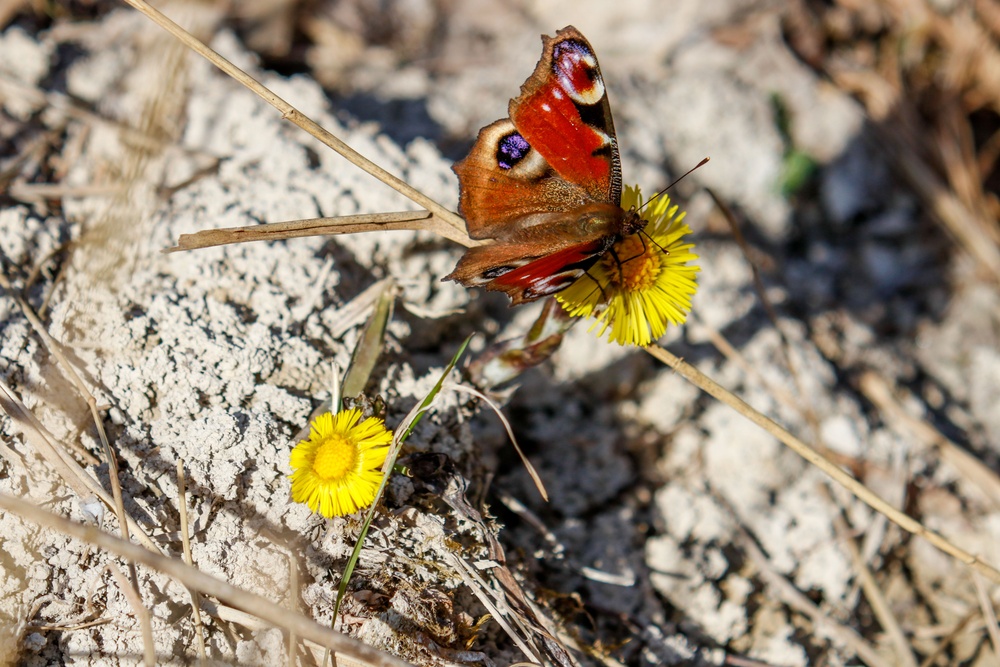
<point>546,183</point>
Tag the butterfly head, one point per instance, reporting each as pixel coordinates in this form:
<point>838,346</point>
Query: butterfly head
<point>632,223</point>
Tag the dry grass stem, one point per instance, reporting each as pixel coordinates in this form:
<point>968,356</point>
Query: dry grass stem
<point>140,612</point>
<point>262,608</point>
<point>454,227</point>
<point>959,64</point>
<point>989,614</point>
<point>61,627</point>
<point>535,477</point>
<point>880,393</point>
<point>30,192</point>
<point>876,597</point>
<point>858,489</point>
<point>276,231</point>
<point>235,616</point>
<point>966,625</point>
<point>800,602</point>
<point>291,642</point>
<point>41,440</point>
<point>111,459</point>
<point>82,483</point>
<point>556,548</point>
<point>199,630</point>
<point>729,351</point>
<point>946,207</point>
<point>772,314</point>
<point>133,136</point>
<point>497,608</point>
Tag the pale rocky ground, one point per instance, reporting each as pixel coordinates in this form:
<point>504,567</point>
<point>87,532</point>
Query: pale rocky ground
<point>676,532</point>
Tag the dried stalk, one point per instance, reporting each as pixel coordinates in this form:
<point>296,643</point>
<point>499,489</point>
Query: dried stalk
<point>194,579</point>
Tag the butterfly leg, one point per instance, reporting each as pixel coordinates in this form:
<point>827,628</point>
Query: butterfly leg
<point>604,295</point>
<point>621,270</point>
<point>619,262</point>
<point>643,237</point>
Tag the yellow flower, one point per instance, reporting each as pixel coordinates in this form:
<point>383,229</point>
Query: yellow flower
<point>645,283</point>
<point>336,470</point>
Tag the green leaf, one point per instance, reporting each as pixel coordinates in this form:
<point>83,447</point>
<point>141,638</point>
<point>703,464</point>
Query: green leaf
<point>369,347</point>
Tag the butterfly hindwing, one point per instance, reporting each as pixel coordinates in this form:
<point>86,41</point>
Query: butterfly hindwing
<point>503,268</point>
<point>505,184</point>
<point>540,259</point>
<point>549,274</point>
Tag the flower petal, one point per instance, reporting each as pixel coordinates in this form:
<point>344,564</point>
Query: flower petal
<point>356,487</point>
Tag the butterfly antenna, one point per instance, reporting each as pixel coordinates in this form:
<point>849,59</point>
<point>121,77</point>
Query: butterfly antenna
<point>676,181</point>
<point>621,268</point>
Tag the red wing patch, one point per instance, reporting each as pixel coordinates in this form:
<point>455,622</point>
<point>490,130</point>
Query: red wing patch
<point>563,113</point>
<point>549,274</point>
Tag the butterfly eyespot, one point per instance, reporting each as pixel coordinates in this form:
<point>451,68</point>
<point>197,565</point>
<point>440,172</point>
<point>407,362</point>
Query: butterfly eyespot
<point>511,149</point>
<point>576,68</point>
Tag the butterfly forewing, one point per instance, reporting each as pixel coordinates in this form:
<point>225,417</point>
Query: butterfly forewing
<point>563,113</point>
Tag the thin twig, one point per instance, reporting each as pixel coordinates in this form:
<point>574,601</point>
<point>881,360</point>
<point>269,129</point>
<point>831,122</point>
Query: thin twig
<point>862,492</point>
<point>454,227</point>
<point>199,631</point>
<point>276,231</point>
<point>195,579</point>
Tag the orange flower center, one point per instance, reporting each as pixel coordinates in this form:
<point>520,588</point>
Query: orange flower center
<point>637,265</point>
<point>335,457</point>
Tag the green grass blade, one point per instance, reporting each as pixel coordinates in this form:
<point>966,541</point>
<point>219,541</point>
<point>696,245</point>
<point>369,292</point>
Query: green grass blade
<point>414,418</point>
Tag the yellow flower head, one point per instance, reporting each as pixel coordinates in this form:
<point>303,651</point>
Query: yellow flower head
<point>644,282</point>
<point>336,470</point>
